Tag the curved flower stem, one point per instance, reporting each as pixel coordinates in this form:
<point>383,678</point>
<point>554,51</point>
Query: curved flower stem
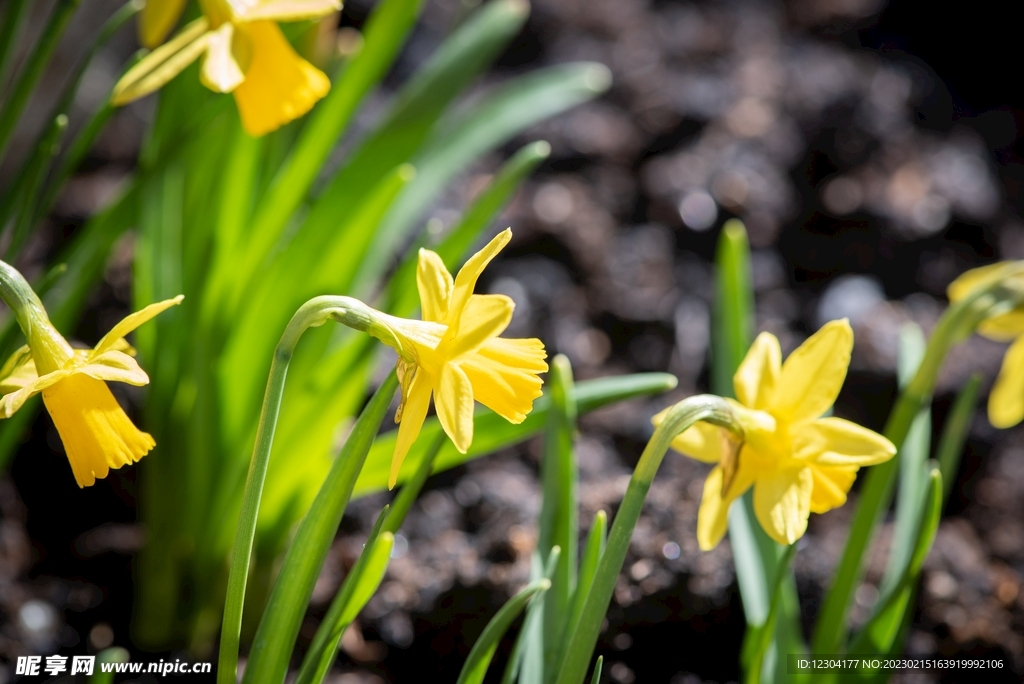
<point>575,659</point>
<point>314,313</point>
<point>958,322</point>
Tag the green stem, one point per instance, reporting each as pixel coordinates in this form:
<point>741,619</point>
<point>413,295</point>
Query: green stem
<point>709,408</point>
<point>34,67</point>
<point>313,313</point>
<point>958,321</point>
<point>13,21</point>
<point>767,631</point>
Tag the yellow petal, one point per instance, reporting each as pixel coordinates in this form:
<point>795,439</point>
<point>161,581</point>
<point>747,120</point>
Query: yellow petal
<point>97,434</point>
<point>782,503</point>
<point>522,354</point>
<point>435,285</point>
<point>465,281</point>
<point>157,19</point>
<point>758,375</point>
<point>18,370</point>
<point>162,64</point>
<point>713,515</point>
<point>813,374</point>
<point>414,411</point>
<point>10,403</point>
<point>132,321</point>
<point>484,317</point>
<point>454,403</point>
<point>1006,402</point>
<point>831,483</point>
<point>976,278</point>
<point>279,85</point>
<point>507,389</point>
<point>115,366</point>
<point>702,442</point>
<point>837,442</point>
<point>1003,328</point>
<point>220,72</point>
<point>282,10</point>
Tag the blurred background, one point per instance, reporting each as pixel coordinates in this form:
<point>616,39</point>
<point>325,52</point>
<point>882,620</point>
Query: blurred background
<point>872,151</point>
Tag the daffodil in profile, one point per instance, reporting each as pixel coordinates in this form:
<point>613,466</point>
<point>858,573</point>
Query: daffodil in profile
<point>458,357</point>
<point>243,52</point>
<point>797,461</point>
<point>96,432</point>
<point>1006,401</point>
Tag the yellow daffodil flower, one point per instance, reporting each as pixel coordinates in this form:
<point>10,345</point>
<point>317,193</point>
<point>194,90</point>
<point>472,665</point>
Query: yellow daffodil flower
<point>463,360</point>
<point>797,462</point>
<point>244,53</point>
<point>96,432</point>
<point>1006,401</point>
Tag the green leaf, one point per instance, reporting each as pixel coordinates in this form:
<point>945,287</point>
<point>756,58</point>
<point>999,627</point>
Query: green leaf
<point>881,631</point>
<point>465,136</point>
<point>559,517</point>
<point>275,637</point>
<point>357,588</point>
<point>597,670</point>
<point>592,551</point>
<point>913,474</point>
<point>760,638</point>
<point>35,63</point>
<point>115,654</point>
<point>27,188</point>
<point>15,16</point>
<point>385,34</point>
<point>475,667</point>
<point>492,432</point>
<point>955,431</point>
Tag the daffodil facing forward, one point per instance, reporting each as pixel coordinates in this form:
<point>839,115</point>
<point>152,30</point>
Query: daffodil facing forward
<point>1006,401</point>
<point>797,462</point>
<point>466,361</point>
<point>96,432</point>
<point>244,53</point>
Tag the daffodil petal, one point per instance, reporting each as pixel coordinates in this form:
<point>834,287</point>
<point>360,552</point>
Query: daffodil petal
<point>162,64</point>
<point>758,374</point>
<point>713,514</point>
<point>782,503</point>
<point>130,323</point>
<point>414,412</point>
<point>814,373</point>
<point>1003,328</point>
<point>505,389</point>
<point>702,442</point>
<point>10,403</point>
<point>157,19</point>
<point>484,317</point>
<point>837,442</point>
<point>831,484</point>
<point>1006,402</point>
<point>435,285</point>
<point>282,10</point>
<point>18,370</point>
<point>279,85</point>
<point>454,403</point>
<point>465,281</point>
<point>96,432</point>
<point>115,366</point>
<point>220,72</point>
<point>976,278</point>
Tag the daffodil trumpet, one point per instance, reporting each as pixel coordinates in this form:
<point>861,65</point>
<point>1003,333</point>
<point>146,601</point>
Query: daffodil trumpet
<point>97,434</point>
<point>243,52</point>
